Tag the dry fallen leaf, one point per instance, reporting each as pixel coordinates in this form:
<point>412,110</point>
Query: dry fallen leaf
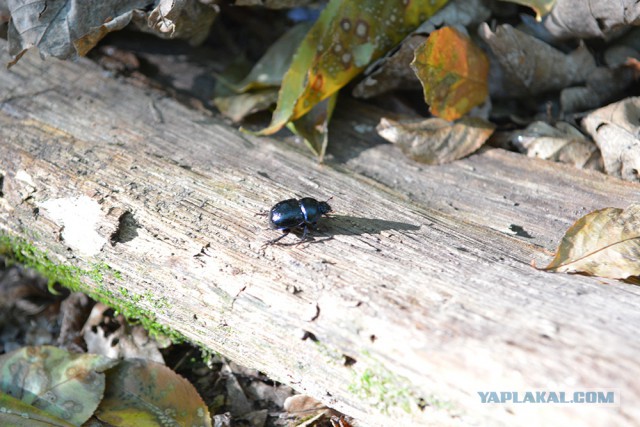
<point>560,143</point>
<point>183,19</point>
<point>347,36</point>
<point>394,72</point>
<point>64,29</point>
<point>236,97</point>
<point>579,19</point>
<point>111,336</point>
<point>141,392</point>
<point>435,141</point>
<point>531,66</point>
<point>604,243</point>
<point>453,72</point>
<point>313,127</point>
<point>615,130</point>
<point>602,85</point>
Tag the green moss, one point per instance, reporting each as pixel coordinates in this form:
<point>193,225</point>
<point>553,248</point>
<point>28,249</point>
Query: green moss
<point>378,386</point>
<point>17,250</point>
<point>331,354</point>
<point>385,390</point>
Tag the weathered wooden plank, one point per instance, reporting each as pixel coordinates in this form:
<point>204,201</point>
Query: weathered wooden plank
<point>421,282</point>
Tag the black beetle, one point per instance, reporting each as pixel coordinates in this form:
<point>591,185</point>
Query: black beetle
<point>294,214</point>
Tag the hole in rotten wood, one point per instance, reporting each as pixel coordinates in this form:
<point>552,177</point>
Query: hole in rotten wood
<point>1,184</point>
<point>306,335</point>
<point>422,404</point>
<point>127,229</point>
<point>348,360</point>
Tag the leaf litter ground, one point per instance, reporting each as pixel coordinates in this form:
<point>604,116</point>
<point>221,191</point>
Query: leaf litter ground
<point>31,317</point>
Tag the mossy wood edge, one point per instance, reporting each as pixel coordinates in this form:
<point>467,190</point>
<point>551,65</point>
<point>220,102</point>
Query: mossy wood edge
<point>424,283</point>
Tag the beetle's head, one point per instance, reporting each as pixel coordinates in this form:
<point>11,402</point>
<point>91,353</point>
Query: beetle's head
<point>323,207</point>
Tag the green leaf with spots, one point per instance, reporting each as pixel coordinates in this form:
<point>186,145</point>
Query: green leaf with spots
<point>144,393</point>
<point>65,385</point>
<point>14,412</point>
<point>345,39</point>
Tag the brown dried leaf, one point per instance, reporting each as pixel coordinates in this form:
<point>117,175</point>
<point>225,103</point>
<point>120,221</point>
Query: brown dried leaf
<point>604,243</point>
<point>603,85</point>
<point>302,404</point>
<point>579,19</point>
<point>183,19</point>
<point>64,29</point>
<point>113,337</point>
<point>562,143</point>
<point>531,66</point>
<point>393,71</point>
<point>435,141</point>
<point>615,130</point>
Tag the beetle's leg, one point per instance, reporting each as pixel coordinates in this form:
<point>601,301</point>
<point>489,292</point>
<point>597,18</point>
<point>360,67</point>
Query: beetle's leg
<point>304,233</point>
<point>284,233</point>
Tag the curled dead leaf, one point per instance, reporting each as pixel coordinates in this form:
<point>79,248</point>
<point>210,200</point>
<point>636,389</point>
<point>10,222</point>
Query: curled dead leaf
<point>579,19</point>
<point>615,130</point>
<point>530,66</point>
<point>64,29</point>
<point>604,243</point>
<point>435,141</point>
<point>560,143</point>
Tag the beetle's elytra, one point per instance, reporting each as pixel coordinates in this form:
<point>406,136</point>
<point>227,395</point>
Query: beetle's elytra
<point>294,214</point>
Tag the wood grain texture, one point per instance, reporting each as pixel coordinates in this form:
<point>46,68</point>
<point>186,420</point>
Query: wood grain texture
<point>417,276</point>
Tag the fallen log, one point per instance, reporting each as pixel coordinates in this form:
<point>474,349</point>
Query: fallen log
<point>413,297</point>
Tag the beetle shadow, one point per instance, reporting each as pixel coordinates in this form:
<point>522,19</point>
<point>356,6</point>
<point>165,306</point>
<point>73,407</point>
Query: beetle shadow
<point>347,225</point>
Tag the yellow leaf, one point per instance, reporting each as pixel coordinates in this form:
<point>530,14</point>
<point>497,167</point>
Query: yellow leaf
<point>17,413</point>
<point>453,72</point>
<point>343,41</point>
<point>604,243</point>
